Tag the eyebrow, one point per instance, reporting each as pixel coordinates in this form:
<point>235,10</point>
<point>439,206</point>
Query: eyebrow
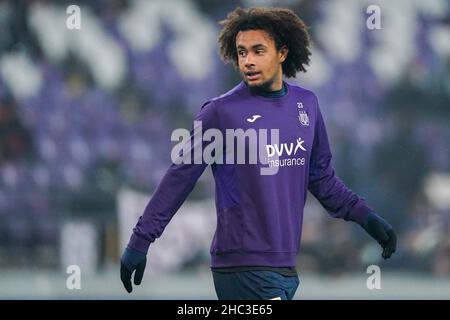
<point>255,46</point>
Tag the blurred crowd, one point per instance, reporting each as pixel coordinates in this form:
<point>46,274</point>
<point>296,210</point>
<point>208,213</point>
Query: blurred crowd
<point>86,112</point>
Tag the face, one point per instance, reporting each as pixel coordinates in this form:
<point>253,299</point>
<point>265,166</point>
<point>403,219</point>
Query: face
<point>259,61</point>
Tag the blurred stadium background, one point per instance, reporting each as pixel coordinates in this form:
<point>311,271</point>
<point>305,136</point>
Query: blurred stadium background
<point>85,123</point>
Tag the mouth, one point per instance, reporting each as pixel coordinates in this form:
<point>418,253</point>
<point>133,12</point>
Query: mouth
<point>252,75</point>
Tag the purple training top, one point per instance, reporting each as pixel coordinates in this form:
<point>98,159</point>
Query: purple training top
<point>259,217</point>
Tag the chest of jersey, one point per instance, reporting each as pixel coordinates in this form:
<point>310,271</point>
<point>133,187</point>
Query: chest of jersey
<point>276,130</point>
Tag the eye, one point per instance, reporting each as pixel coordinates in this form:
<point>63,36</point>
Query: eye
<point>259,51</point>
<point>241,53</point>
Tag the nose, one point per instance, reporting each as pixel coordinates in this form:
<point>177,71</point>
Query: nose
<point>249,60</point>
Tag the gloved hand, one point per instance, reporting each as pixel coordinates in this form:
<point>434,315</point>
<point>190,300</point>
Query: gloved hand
<point>382,232</point>
<point>132,260</point>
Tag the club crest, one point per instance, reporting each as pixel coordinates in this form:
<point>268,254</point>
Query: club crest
<point>302,115</point>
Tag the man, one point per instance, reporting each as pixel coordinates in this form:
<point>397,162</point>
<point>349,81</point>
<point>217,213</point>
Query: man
<point>259,217</point>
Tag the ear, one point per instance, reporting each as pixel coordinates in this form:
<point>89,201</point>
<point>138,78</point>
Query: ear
<point>283,53</point>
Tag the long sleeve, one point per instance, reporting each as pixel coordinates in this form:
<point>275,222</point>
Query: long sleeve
<point>175,186</point>
<point>335,197</point>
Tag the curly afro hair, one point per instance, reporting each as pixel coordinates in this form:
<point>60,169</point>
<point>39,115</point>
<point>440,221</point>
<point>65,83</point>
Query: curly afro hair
<point>283,25</point>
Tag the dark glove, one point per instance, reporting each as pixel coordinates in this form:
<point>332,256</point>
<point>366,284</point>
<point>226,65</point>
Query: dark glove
<point>382,232</point>
<point>132,260</point>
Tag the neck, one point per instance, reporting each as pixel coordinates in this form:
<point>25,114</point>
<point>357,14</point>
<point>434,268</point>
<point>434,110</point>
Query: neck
<point>277,84</point>
<point>267,93</point>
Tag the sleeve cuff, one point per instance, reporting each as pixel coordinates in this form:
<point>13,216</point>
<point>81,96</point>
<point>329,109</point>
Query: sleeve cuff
<point>359,213</point>
<point>139,244</point>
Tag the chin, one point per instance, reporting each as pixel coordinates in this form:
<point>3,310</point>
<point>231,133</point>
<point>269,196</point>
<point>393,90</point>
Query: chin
<point>259,85</point>
<point>254,84</point>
